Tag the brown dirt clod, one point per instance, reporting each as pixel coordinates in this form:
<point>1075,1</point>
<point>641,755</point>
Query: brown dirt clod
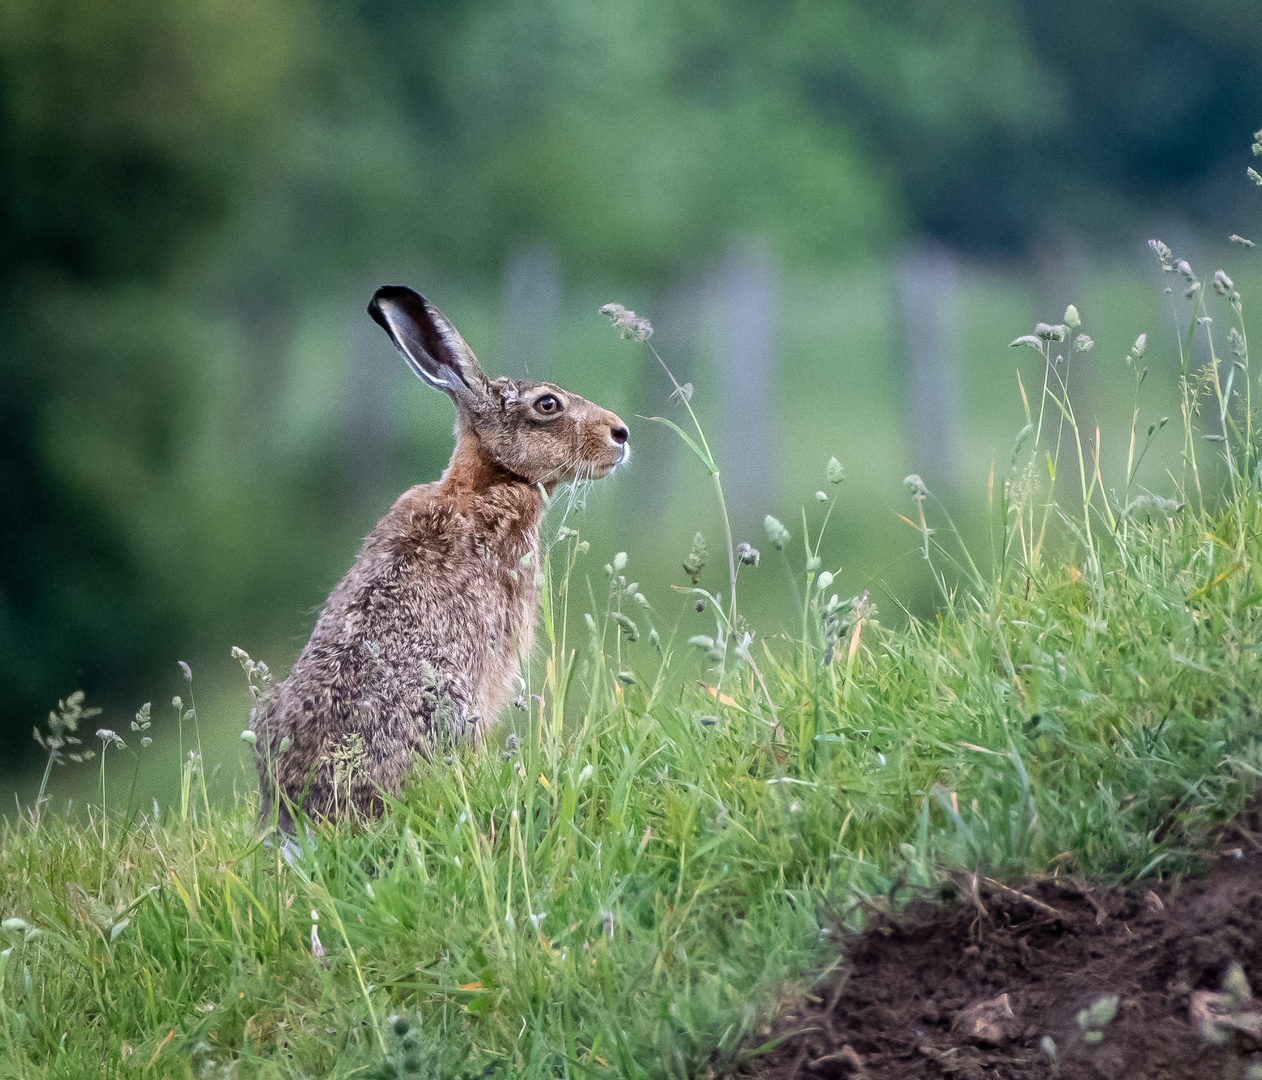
<point>1004,991</point>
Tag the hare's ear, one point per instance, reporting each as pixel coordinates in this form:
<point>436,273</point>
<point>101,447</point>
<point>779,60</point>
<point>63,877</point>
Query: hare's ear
<point>432,347</point>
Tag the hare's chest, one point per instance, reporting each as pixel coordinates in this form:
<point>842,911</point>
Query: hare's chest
<point>509,641</point>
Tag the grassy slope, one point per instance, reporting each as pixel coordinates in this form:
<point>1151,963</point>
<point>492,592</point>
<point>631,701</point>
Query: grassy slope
<point>625,892</point>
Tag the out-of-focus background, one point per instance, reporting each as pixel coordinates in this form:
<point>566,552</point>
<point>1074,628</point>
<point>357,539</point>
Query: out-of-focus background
<point>836,214</point>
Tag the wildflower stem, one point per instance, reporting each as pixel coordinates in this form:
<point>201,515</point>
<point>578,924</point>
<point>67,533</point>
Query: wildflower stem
<point>105,822</point>
<point>707,458</point>
<point>42,797</point>
<point>1188,401</point>
<point>359,973</point>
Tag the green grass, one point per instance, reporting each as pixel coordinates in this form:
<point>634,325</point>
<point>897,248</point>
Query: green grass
<point>672,834</point>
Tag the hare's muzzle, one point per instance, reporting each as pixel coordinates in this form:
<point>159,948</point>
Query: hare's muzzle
<point>620,436</point>
<point>616,448</point>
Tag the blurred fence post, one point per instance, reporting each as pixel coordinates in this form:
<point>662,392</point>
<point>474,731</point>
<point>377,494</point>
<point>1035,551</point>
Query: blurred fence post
<point>744,292</point>
<point>532,301</point>
<point>928,297</point>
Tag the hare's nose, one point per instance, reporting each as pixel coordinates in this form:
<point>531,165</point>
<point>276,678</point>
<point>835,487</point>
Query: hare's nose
<point>619,435</point>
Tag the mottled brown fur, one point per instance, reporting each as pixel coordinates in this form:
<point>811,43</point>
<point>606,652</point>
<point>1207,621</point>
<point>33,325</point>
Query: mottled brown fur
<point>422,640</point>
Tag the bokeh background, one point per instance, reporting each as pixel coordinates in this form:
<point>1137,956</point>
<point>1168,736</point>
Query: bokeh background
<point>836,213</point>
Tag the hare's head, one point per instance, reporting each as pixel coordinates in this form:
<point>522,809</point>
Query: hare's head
<point>536,431</point>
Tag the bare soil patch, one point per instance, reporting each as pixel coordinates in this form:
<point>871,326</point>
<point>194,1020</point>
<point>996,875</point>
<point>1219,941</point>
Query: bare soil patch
<point>922,993</point>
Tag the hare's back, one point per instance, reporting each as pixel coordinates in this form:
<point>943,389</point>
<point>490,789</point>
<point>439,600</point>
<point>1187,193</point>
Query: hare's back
<point>439,581</point>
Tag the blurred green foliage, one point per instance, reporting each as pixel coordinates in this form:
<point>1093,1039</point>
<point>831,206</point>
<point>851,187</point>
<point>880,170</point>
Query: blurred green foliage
<point>189,187</point>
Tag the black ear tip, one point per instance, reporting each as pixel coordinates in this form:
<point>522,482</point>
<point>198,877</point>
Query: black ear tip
<point>400,296</point>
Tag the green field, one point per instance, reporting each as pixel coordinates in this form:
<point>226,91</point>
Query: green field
<point>690,810</point>
<point>256,557</point>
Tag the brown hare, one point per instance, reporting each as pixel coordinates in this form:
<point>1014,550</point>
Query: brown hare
<point>422,641</point>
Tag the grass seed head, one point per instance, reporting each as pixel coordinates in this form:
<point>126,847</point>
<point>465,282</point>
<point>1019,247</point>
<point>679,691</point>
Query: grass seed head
<point>1164,254</point>
<point>697,556</point>
<point>627,322</point>
<point>776,532</point>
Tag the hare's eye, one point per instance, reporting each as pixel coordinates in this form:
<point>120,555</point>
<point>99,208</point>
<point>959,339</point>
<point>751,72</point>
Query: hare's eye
<point>548,404</point>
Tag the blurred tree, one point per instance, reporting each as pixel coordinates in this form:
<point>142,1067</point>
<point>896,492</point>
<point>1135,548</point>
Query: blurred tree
<point>640,142</point>
<point>636,143</point>
<point>123,129</point>
<point>1159,99</point>
<point>187,185</point>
